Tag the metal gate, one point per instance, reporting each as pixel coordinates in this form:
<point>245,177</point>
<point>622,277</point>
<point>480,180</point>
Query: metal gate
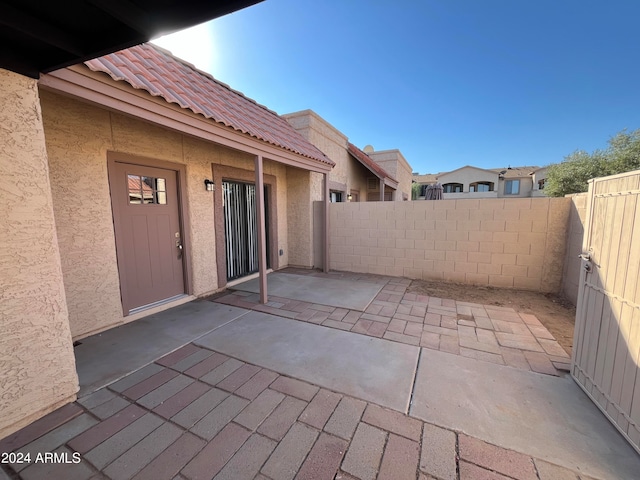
<point>241,228</point>
<point>606,350</point>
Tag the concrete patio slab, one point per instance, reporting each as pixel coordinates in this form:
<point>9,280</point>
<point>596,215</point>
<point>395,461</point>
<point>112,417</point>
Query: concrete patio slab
<point>106,357</point>
<point>368,368</point>
<point>547,417</point>
<point>323,291</point>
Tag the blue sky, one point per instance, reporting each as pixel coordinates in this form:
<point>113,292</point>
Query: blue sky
<point>488,83</point>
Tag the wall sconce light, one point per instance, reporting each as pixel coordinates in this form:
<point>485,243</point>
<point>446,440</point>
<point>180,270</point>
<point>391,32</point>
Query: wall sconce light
<point>209,185</point>
<point>349,197</point>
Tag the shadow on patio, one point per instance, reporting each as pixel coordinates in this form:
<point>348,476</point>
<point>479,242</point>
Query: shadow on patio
<point>245,390</point>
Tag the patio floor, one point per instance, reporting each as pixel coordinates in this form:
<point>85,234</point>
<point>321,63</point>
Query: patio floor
<point>484,332</point>
<point>255,395</point>
<point>198,414</point>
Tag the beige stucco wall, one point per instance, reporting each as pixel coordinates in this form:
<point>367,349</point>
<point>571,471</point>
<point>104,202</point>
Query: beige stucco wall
<point>327,139</point>
<point>397,166</point>
<point>540,174</point>
<point>468,175</point>
<point>526,185</point>
<point>575,234</point>
<point>299,216</point>
<point>78,138</point>
<point>515,243</point>
<point>36,353</point>
<point>348,174</point>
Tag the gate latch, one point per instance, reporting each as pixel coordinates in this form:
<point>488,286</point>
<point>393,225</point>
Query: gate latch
<point>587,260</point>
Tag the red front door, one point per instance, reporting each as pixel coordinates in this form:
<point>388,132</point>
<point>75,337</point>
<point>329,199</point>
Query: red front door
<point>148,236</point>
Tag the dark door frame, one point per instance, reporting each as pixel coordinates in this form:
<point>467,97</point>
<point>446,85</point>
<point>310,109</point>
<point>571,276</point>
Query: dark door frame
<point>183,213</point>
<point>233,174</point>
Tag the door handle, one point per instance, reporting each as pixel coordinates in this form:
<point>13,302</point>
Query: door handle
<point>179,247</point>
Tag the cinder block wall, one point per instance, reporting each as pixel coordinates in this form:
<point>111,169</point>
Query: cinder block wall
<point>513,243</point>
<point>575,233</point>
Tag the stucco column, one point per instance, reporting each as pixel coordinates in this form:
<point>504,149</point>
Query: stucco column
<point>262,234</point>
<point>36,352</point>
<point>382,189</point>
<point>325,241</point>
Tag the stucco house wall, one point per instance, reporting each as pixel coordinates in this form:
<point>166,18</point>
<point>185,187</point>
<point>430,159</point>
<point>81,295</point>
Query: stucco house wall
<point>526,185</point>
<point>78,137</point>
<point>539,175</point>
<point>329,140</point>
<point>299,215</point>
<point>36,354</point>
<point>394,162</point>
<point>466,176</point>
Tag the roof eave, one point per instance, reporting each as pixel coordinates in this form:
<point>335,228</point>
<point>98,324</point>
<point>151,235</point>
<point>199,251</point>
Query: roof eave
<point>80,82</point>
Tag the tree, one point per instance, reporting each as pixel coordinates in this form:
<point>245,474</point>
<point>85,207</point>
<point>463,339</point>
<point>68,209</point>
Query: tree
<point>415,190</point>
<point>573,174</point>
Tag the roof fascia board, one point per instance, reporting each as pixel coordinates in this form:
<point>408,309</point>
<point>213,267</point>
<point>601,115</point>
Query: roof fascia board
<point>484,170</point>
<point>390,183</point>
<point>82,83</point>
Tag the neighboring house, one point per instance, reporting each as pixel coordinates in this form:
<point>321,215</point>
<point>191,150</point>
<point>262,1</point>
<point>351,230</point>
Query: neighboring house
<point>357,176</point>
<point>474,182</point>
<point>539,179</point>
<point>394,162</point>
<point>424,181</point>
<point>149,168</point>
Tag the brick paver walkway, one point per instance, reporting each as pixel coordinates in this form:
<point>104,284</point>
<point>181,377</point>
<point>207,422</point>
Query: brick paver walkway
<point>483,332</point>
<point>197,414</point>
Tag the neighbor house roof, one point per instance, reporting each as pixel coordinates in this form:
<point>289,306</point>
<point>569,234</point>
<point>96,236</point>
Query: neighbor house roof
<point>509,172</point>
<point>515,172</point>
<point>426,178</point>
<point>155,70</point>
<point>368,162</point>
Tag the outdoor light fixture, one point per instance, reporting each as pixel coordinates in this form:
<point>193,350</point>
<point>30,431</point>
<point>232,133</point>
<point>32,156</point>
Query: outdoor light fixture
<point>349,197</point>
<point>209,185</point>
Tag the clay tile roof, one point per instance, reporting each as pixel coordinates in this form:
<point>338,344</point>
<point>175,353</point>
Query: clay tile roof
<point>153,69</point>
<point>368,162</point>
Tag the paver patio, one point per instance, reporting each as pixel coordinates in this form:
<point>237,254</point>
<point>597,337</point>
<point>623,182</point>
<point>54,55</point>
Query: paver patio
<point>484,332</point>
<point>227,407</point>
<point>197,414</point>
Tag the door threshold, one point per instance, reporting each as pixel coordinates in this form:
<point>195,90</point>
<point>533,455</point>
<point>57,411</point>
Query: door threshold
<point>240,280</point>
<point>159,306</point>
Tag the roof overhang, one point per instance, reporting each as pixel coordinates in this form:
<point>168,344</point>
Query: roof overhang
<point>39,36</point>
<point>81,83</point>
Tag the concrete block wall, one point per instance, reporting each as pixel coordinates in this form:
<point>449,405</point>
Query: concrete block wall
<point>575,233</point>
<point>512,243</point>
